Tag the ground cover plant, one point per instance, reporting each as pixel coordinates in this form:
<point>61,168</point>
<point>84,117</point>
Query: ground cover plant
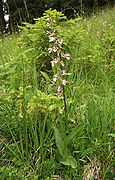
<point>57,101</point>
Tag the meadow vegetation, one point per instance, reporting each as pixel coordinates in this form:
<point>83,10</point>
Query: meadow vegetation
<point>65,135</point>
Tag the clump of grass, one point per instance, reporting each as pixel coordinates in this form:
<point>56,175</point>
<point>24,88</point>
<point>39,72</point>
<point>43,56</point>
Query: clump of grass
<point>30,108</point>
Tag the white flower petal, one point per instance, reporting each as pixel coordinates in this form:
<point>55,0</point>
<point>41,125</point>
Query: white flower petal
<point>64,82</point>
<point>50,50</point>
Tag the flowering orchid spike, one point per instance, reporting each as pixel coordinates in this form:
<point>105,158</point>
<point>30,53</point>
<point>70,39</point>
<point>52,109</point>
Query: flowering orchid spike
<point>58,56</point>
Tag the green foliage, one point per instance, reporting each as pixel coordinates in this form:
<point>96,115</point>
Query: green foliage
<point>45,103</point>
<point>35,40</point>
<point>11,173</point>
<point>62,142</point>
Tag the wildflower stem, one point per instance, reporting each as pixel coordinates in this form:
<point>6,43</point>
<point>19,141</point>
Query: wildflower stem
<point>65,108</point>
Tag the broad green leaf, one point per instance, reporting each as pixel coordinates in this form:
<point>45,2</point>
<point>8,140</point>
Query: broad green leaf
<point>60,142</point>
<point>70,161</point>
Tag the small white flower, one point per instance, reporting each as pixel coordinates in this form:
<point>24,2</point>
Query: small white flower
<point>50,50</point>
<point>55,49</point>
<point>55,61</point>
<point>49,18</point>
<point>47,32</point>
<point>55,77</point>
<point>63,72</point>
<point>64,82</point>
<point>51,39</point>
<point>52,63</point>
<point>59,89</point>
<point>66,56</point>
<point>48,24</point>
<point>60,41</point>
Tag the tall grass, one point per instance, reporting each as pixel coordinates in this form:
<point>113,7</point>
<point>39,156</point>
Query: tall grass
<point>30,108</point>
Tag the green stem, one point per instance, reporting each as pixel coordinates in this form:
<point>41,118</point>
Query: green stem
<point>65,109</point>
